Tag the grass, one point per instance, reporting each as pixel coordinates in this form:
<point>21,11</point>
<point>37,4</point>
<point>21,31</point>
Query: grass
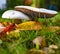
<point>23,43</point>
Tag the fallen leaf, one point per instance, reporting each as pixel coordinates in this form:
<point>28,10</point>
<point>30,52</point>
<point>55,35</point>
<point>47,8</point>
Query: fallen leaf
<point>35,51</point>
<point>53,28</point>
<point>31,25</point>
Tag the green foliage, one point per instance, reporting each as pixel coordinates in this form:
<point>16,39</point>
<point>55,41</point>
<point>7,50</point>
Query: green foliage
<point>13,3</point>
<point>1,12</point>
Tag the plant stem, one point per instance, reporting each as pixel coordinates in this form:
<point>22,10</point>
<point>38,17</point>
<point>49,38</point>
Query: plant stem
<point>37,46</point>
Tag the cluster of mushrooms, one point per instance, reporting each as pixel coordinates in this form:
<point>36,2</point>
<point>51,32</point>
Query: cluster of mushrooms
<point>28,13</point>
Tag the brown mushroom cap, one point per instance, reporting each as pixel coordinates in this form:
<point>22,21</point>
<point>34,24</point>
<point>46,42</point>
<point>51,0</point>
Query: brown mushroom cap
<point>33,12</point>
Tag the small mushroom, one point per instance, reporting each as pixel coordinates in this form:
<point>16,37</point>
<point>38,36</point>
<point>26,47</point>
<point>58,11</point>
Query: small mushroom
<point>39,41</point>
<point>53,47</point>
<point>33,12</point>
<point>12,14</point>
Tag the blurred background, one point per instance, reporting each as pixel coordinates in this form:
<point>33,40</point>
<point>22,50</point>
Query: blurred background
<point>49,4</point>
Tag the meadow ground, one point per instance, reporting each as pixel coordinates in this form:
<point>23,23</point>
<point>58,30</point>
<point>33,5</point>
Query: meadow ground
<point>22,43</point>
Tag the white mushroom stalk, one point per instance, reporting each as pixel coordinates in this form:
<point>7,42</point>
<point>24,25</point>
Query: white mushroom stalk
<point>36,12</point>
<point>12,14</point>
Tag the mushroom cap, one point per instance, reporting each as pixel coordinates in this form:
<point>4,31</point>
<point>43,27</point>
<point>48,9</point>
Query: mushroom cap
<point>53,46</point>
<point>12,14</point>
<point>40,41</point>
<point>33,12</point>
<point>43,10</point>
<point>48,11</point>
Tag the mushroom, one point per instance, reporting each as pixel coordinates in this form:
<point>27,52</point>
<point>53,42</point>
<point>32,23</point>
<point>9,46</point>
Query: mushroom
<point>39,41</point>
<point>33,12</point>
<point>53,48</point>
<point>12,14</point>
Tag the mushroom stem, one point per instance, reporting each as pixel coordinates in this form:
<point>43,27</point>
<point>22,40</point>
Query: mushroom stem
<point>37,46</point>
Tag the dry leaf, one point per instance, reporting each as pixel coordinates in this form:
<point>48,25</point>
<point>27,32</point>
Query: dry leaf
<point>53,28</point>
<point>35,51</point>
<point>31,25</point>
